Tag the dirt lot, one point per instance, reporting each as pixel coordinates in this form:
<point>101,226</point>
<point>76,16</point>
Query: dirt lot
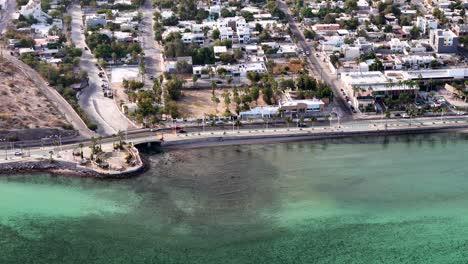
<point>196,103</point>
<point>22,104</point>
<point>292,66</point>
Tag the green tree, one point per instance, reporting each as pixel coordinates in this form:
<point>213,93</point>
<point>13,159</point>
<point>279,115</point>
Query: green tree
<point>227,97</point>
<point>254,93</point>
<point>174,88</point>
<point>215,34</point>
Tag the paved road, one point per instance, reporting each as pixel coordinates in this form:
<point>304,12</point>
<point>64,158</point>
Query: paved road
<point>317,67</point>
<point>154,62</point>
<point>102,110</point>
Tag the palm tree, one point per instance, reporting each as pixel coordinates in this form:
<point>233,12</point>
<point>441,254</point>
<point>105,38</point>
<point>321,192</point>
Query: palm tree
<point>93,144</point>
<point>412,112</point>
<point>355,89</point>
<point>238,123</point>
<point>50,155</point>
<point>387,116</point>
<point>81,150</point>
<point>120,135</point>
<point>113,139</point>
<point>281,113</point>
<point>100,143</point>
<point>289,121</point>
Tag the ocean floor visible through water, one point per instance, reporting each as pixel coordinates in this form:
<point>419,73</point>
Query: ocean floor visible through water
<point>373,200</point>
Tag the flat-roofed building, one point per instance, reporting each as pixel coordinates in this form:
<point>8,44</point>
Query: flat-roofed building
<point>443,41</point>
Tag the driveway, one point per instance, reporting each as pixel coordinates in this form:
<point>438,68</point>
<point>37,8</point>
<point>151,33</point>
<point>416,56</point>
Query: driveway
<point>102,110</point>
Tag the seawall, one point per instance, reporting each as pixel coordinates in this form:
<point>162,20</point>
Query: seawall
<point>297,135</point>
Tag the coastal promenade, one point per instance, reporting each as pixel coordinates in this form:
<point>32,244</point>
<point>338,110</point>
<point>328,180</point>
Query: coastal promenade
<point>63,156</point>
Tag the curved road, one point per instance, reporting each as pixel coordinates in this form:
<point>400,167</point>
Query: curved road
<point>60,103</point>
<point>102,110</point>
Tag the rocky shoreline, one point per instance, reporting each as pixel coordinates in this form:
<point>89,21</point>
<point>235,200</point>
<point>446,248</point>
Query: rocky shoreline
<point>57,167</point>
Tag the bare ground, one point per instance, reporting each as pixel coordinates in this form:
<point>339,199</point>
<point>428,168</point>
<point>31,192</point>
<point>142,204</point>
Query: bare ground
<point>22,104</point>
<point>198,103</point>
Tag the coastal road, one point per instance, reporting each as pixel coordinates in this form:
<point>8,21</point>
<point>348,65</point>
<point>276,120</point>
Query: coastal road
<point>332,129</point>
<point>317,67</point>
<point>258,128</point>
<point>101,110</point>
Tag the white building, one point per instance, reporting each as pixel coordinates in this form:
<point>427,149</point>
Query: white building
<point>443,41</point>
<point>226,33</point>
<point>218,50</point>
<point>260,112</point>
<point>309,105</point>
<point>396,45</point>
<point>243,34</point>
<point>426,23</point>
<point>233,28</point>
<point>198,38</point>
<point>33,8</point>
<point>365,86</point>
<point>363,4</point>
<point>332,44</point>
<point>95,20</point>
<point>350,52</point>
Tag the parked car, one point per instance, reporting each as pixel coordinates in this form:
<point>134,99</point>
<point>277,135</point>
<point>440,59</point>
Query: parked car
<point>301,125</point>
<point>18,153</point>
<point>405,115</point>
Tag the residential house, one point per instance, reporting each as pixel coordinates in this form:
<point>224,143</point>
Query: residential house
<point>95,20</point>
<point>189,37</point>
<point>426,23</point>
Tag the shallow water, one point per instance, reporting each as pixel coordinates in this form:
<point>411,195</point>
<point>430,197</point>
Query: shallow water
<point>381,200</point>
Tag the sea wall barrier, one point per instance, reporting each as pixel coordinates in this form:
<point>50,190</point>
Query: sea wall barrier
<point>295,135</point>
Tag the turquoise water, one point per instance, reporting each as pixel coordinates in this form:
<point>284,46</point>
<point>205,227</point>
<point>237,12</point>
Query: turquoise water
<point>377,200</point>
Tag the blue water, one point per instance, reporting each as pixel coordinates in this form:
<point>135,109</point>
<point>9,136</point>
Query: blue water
<point>373,200</point>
